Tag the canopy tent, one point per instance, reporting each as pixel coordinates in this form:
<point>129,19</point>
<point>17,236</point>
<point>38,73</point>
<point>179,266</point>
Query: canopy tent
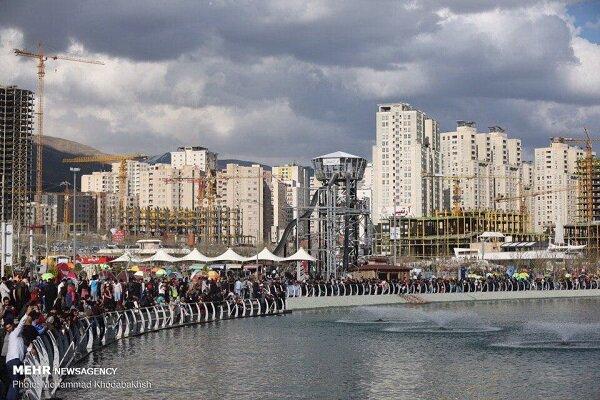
<point>161,256</point>
<point>300,255</point>
<point>126,257</point>
<point>266,255</point>
<point>194,256</point>
<point>230,256</point>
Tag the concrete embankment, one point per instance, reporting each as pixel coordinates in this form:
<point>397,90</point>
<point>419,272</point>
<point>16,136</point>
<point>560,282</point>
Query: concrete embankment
<point>307,303</point>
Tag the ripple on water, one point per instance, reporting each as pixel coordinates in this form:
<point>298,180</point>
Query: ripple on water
<point>551,345</point>
<point>444,330</point>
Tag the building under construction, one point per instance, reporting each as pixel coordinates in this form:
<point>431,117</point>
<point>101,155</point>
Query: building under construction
<point>588,189</point>
<point>207,225</point>
<point>586,231</point>
<point>437,236</point>
<point>16,129</point>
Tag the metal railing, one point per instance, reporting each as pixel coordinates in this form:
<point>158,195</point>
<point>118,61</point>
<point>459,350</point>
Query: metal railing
<point>431,287</point>
<point>65,348</point>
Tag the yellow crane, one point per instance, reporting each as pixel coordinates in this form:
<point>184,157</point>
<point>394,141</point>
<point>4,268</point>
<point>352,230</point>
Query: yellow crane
<point>107,159</point>
<point>586,180</point>
<point>41,58</point>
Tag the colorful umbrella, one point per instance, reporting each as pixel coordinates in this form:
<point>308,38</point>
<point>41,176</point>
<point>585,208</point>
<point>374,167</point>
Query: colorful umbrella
<point>135,268</point>
<point>213,275</point>
<point>160,272</point>
<point>47,276</point>
<point>175,274</point>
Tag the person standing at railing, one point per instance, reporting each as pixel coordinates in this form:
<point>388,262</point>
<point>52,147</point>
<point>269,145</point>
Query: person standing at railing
<point>15,354</point>
<point>94,288</point>
<point>118,292</point>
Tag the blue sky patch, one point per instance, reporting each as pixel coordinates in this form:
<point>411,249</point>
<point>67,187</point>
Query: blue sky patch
<point>587,17</point>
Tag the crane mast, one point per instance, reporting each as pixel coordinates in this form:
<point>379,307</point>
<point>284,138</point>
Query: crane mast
<point>41,58</point>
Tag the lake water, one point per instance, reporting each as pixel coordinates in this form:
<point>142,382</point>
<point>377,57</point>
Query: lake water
<point>523,349</point>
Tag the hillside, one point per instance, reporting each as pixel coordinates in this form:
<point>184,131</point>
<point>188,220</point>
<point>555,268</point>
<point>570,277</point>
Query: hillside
<point>55,171</point>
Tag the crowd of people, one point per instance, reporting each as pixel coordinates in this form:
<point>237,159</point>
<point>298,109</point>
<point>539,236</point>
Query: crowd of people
<point>417,283</point>
<point>31,307</point>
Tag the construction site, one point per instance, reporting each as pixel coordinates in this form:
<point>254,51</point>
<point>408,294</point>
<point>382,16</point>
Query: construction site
<point>438,235</point>
<point>587,230</point>
<point>16,130</point>
<point>203,225</point>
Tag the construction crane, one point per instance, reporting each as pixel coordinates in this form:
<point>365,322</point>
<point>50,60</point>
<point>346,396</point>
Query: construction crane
<point>107,159</point>
<point>202,183</point>
<point>535,194</point>
<point>456,189</point>
<point>586,180</point>
<point>41,58</point>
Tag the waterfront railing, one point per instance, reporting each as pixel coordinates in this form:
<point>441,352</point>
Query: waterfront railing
<point>432,287</point>
<point>64,348</point>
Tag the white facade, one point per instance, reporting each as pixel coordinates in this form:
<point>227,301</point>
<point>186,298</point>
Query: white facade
<point>162,186</point>
<point>487,165</point>
<point>555,171</point>
<point>407,147</point>
<point>99,182</point>
<point>249,189</point>
<point>194,156</point>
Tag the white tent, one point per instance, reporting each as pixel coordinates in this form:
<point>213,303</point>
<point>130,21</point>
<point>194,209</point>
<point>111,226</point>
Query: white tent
<point>266,255</point>
<point>194,256</point>
<point>161,256</point>
<point>126,257</point>
<point>230,256</point>
<point>300,255</point>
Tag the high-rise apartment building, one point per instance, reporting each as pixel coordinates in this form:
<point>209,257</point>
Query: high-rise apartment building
<point>16,129</point>
<point>249,190</point>
<point>407,148</point>
<point>487,167</point>
<point>194,156</point>
<point>555,173</point>
<point>99,182</point>
<point>162,186</point>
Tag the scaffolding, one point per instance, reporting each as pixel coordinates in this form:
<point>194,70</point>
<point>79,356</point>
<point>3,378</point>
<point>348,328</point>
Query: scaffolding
<point>588,189</point>
<point>16,127</point>
<point>437,236</point>
<point>584,233</point>
<point>216,225</point>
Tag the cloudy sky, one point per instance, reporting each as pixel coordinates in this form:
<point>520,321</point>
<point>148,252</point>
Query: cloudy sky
<point>277,81</point>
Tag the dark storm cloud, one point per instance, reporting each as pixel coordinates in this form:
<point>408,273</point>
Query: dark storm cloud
<point>289,80</point>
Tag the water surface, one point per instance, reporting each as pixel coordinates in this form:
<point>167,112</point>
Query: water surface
<point>434,351</point>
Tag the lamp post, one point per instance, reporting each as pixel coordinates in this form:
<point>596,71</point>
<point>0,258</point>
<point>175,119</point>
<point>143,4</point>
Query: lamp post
<point>74,170</point>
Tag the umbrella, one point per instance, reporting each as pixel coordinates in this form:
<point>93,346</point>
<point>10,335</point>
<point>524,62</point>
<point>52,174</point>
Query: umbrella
<point>139,273</point>
<point>71,275</point>
<point>197,267</point>
<point>135,268</point>
<point>213,275</point>
<point>175,274</point>
<point>160,272</point>
<point>47,276</point>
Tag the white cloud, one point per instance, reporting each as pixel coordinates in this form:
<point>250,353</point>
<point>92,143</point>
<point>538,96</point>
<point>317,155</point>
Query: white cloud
<point>284,81</point>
